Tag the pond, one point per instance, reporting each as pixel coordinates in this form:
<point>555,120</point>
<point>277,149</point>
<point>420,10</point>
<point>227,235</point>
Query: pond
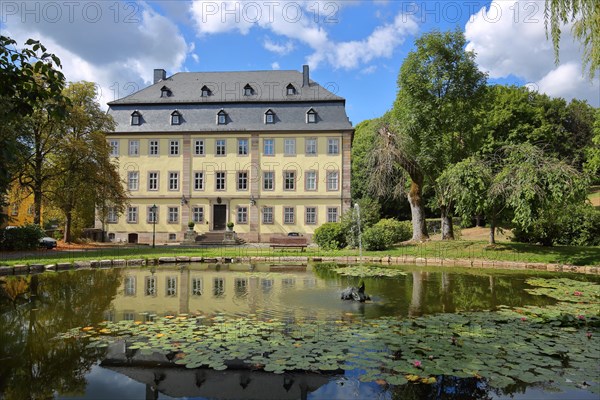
<point>281,331</point>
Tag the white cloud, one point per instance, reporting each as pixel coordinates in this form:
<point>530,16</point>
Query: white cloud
<point>275,65</point>
<point>281,49</point>
<point>369,70</point>
<point>295,20</point>
<point>117,50</point>
<point>511,41</point>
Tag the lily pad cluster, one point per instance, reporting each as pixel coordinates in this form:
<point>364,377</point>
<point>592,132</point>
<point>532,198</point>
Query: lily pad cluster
<point>503,348</point>
<point>368,271</point>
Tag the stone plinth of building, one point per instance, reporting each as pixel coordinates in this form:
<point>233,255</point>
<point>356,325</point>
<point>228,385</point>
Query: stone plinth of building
<point>189,237</point>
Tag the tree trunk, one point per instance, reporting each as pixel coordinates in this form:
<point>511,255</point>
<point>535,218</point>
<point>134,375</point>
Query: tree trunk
<point>67,235</point>
<point>417,211</point>
<point>492,230</point>
<point>447,228</point>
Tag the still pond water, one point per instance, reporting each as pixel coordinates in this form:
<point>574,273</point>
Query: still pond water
<point>34,310</point>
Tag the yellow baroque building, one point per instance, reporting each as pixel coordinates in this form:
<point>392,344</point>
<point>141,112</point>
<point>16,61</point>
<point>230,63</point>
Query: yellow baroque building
<point>266,150</point>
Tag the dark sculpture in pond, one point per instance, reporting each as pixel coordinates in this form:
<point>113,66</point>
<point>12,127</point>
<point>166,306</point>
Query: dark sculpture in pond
<point>356,294</point>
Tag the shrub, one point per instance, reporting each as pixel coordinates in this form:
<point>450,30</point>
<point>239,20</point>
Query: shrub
<point>21,238</point>
<point>330,236</point>
<point>576,226</point>
<point>386,233</point>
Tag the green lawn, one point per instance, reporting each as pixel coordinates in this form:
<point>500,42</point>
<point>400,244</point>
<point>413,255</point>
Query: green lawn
<point>462,249</point>
<point>594,196</point>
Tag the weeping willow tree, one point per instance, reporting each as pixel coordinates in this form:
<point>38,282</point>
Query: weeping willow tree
<point>585,16</point>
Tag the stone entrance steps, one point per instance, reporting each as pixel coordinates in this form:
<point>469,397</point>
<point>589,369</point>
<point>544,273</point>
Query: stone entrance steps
<point>215,238</point>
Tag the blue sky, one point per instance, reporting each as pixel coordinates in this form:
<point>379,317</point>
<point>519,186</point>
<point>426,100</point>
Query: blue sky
<point>355,48</point>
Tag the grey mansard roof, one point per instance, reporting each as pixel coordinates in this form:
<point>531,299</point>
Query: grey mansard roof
<point>244,113</point>
<point>228,87</point>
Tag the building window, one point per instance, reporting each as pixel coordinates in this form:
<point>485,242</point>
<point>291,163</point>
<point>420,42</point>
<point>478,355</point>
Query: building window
<point>174,147</point>
<point>333,146</point>
<point>134,147</point>
<point>291,90</point>
<point>220,180</point>
<point>114,148</point>
<point>242,215</point>
<point>128,316</point>
<point>311,146</point>
<point>173,215</point>
<point>311,180</point>
<point>268,180</point>
<point>171,282</point>
<point>268,147</point>
<point>288,215</point>
<point>221,118</point>
<point>112,217</point>
<point>198,180</point>
<point>153,147</point>
<point>267,214</point>
<point>152,214</point>
<point>198,215</point>
<point>165,92</point>
<point>129,286</point>
<point>218,287</point>
<point>311,116</point>
<point>311,215</point>
<point>199,147</point>
<point>289,147</point>
<point>136,118</point>
<point>133,180</point>
<point>242,181</point>
<point>150,286</point>
<point>132,215</point>
<point>173,180</point>
<point>269,117</point>
<point>332,214</point>
<point>152,180</point>
<point>220,147</point>
<point>242,147</point>
<point>172,236</point>
<point>175,118</point>
<point>248,90</point>
<point>241,286</point>
<point>111,237</point>
<point>332,180</point>
<point>289,180</point>
<point>197,287</point>
<point>206,91</point>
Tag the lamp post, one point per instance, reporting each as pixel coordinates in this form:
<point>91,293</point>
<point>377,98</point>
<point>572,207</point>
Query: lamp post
<point>153,208</point>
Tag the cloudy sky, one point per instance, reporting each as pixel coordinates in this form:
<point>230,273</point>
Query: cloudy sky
<point>354,48</point>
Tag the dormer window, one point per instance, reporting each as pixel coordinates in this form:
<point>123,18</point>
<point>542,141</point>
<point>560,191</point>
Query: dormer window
<point>165,92</point>
<point>136,118</point>
<point>175,118</point>
<point>269,117</point>
<point>221,118</point>
<point>311,116</point>
<point>206,91</point>
<point>248,90</point>
<point>291,90</point>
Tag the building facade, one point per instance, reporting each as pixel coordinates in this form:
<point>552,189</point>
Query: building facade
<point>266,150</point>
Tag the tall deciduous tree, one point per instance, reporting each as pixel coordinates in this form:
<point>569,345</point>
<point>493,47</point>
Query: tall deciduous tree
<point>440,90</point>
<point>585,16</point>
<point>29,77</point>
<point>88,177</point>
<point>518,182</point>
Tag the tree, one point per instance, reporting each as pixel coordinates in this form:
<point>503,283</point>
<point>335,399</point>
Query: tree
<point>519,182</point>
<point>28,77</point>
<point>440,90</point>
<point>592,164</point>
<point>585,15</point>
<point>87,178</point>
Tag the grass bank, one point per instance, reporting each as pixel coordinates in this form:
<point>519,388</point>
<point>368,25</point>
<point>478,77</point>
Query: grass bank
<point>460,249</point>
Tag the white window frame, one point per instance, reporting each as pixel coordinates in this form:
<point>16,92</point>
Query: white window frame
<point>153,147</point>
<point>333,214</point>
<point>289,147</point>
<point>199,149</point>
<point>197,286</point>
<point>267,215</point>
<point>289,215</point>
<point>153,182</point>
<point>171,286</point>
<point>310,146</point>
<point>173,181</point>
<point>129,286</point>
<point>242,215</point>
<point>198,180</point>
<point>310,215</point>
<point>198,215</point>
<point>311,116</point>
<point>133,181</point>
<point>289,180</point>
<point>310,180</point>
<point>174,149</point>
<point>242,180</point>
<point>242,147</point>
<point>220,144</point>
<point>269,176</point>
<point>112,216</point>
<point>152,214</point>
<point>220,176</point>
<point>132,215</point>
<point>333,146</point>
<point>173,215</point>
<point>133,148</point>
<point>268,147</point>
<point>114,147</point>
<point>150,285</point>
<point>333,181</point>
<point>175,118</point>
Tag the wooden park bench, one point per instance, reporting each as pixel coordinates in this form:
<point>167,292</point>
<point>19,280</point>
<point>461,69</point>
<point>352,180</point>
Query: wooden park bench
<point>288,242</point>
